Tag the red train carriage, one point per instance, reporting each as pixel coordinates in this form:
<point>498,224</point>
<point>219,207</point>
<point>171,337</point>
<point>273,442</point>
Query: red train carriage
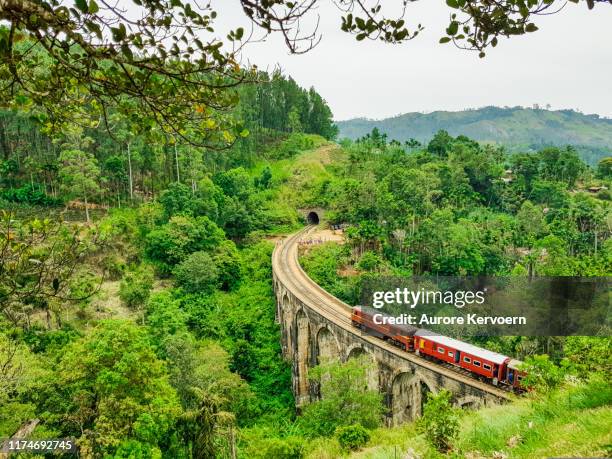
<point>488,365</point>
<point>399,335</point>
<point>513,376</point>
<point>482,362</point>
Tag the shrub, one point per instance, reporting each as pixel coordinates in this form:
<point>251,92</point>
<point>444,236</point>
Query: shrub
<point>542,374</point>
<point>148,217</point>
<point>179,199</point>
<point>198,273</point>
<point>227,260</point>
<point>346,398</point>
<point>278,448</point>
<point>183,235</point>
<point>588,354</point>
<point>114,266</point>
<point>83,286</point>
<point>136,286</point>
<point>440,421</point>
<point>265,178</point>
<point>369,261</point>
<point>29,194</point>
<point>352,437</point>
<point>293,145</point>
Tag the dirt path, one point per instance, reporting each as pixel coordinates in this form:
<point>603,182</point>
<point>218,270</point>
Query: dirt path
<point>321,234</point>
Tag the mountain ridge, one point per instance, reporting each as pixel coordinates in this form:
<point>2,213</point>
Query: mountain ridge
<point>517,128</point>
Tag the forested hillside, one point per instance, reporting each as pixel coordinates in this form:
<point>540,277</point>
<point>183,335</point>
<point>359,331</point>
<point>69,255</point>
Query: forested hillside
<point>137,313</point>
<point>150,332</point>
<point>117,164</point>
<point>519,129</point>
<point>455,207</point>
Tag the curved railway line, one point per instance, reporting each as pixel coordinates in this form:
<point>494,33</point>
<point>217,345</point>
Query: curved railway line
<point>286,266</point>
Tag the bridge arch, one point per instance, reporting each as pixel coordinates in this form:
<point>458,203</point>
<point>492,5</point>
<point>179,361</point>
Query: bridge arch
<point>285,303</point>
<point>408,396</point>
<point>355,350</point>
<point>328,348</point>
<point>359,352</point>
<point>283,312</point>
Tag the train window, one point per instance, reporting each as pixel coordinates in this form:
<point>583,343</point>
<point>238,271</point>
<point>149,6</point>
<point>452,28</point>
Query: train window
<point>476,363</point>
<point>467,359</point>
<point>441,350</point>
<point>450,354</point>
<point>486,367</point>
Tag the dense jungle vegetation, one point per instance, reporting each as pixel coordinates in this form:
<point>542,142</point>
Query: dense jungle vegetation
<point>137,311</point>
<point>150,331</point>
<point>455,207</point>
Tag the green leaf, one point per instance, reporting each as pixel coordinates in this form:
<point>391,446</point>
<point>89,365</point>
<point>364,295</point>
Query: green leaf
<point>445,39</point>
<point>81,5</point>
<point>93,7</point>
<point>125,49</point>
<point>452,3</point>
<point>531,27</point>
<point>453,28</point>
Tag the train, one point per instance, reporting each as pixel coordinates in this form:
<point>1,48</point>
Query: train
<point>485,365</point>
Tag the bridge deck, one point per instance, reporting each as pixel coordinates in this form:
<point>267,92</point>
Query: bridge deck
<point>287,268</point>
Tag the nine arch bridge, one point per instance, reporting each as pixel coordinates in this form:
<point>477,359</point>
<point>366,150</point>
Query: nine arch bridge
<point>316,325</point>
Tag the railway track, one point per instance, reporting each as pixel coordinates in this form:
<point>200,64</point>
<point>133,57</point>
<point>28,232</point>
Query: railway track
<point>286,266</point>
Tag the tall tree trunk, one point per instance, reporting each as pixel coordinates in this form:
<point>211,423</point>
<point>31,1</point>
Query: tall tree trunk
<point>178,175</point>
<point>6,151</point>
<point>129,155</point>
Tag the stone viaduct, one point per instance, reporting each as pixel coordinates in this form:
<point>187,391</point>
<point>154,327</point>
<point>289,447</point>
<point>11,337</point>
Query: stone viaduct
<point>315,326</point>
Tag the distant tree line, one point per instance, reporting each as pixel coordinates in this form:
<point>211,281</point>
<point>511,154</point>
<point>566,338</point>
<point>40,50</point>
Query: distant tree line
<point>119,165</point>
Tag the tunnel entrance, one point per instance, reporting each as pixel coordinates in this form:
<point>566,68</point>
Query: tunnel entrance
<point>313,218</point>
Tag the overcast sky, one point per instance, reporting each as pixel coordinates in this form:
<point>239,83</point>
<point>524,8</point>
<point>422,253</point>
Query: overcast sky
<point>567,63</point>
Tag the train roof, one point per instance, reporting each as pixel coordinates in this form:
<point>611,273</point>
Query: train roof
<point>514,364</point>
<point>476,351</point>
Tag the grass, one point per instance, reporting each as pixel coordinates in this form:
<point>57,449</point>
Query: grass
<point>575,421</point>
<point>296,183</point>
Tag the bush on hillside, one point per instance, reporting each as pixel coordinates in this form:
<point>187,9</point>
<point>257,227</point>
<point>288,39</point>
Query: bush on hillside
<point>135,288</point>
<point>352,437</point>
<point>29,194</point>
<point>369,261</point>
<point>440,420</point>
<point>542,374</point>
<point>173,242</point>
<point>197,274</point>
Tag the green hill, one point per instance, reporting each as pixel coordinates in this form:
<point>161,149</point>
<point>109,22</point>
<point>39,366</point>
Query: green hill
<point>518,128</point>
